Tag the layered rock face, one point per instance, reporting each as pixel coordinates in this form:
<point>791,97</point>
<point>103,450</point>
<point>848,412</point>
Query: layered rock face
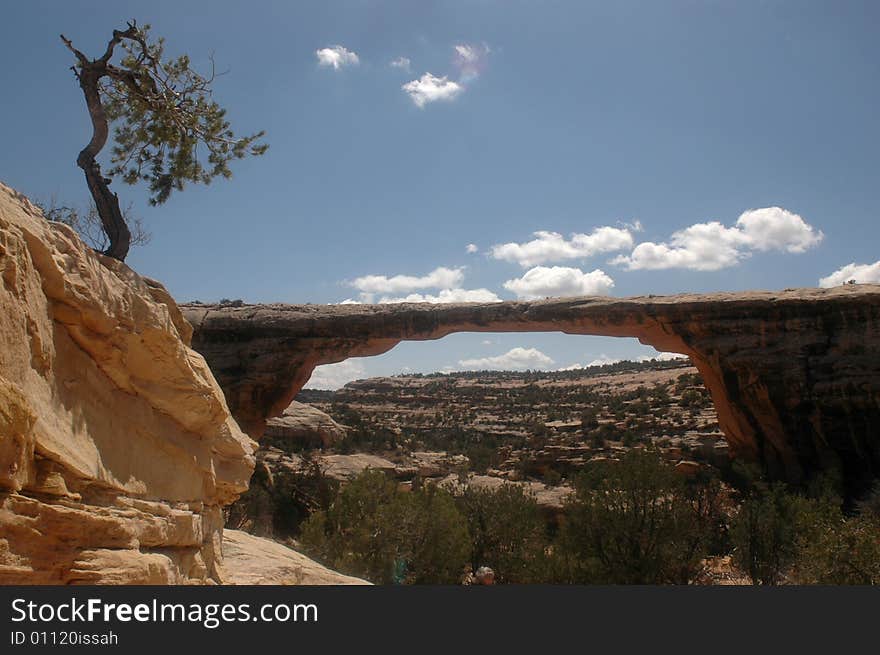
<point>117,449</point>
<point>303,425</point>
<point>794,375</point>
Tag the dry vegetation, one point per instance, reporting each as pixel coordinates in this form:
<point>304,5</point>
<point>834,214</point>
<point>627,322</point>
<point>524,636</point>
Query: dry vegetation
<point>542,425</point>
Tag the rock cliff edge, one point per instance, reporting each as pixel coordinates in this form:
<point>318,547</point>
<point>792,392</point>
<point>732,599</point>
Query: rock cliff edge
<point>117,449</point>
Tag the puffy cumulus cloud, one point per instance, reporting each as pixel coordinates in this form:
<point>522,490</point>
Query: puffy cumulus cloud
<point>775,228</point>
<point>712,246</point>
<point>700,247</point>
<point>336,57</point>
<point>515,359</point>
<point>560,281</point>
<point>334,376</point>
<point>440,278</point>
<point>429,88</point>
<point>553,247</point>
<point>447,296</point>
<point>471,248</point>
<point>861,273</point>
<point>401,62</point>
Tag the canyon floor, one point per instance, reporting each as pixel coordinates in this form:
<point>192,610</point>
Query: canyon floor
<point>529,425</point>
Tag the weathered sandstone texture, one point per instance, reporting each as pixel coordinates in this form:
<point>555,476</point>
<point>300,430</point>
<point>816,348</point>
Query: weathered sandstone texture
<point>117,449</point>
<point>303,425</point>
<point>794,375</point>
<point>250,560</point>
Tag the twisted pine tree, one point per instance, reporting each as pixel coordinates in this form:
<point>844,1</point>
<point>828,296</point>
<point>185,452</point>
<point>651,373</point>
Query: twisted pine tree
<point>167,129</point>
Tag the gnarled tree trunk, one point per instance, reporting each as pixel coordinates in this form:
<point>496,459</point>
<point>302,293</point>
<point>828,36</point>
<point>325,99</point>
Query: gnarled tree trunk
<point>89,75</point>
<point>118,234</point>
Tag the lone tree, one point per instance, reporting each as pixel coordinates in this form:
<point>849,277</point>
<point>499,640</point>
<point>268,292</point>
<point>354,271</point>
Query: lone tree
<point>162,113</point>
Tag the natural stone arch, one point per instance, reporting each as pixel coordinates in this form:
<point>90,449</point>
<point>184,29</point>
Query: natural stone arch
<point>794,375</point>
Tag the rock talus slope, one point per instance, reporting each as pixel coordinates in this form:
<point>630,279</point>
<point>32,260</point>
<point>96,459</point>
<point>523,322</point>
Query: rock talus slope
<point>794,375</point>
<point>117,449</point>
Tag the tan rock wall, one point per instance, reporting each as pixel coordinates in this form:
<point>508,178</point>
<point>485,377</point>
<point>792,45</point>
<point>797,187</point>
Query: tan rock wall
<point>117,449</point>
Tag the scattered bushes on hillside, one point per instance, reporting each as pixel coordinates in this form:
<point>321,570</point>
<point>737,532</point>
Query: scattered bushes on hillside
<point>782,536</point>
<point>637,522</point>
<point>375,531</point>
<point>634,521</point>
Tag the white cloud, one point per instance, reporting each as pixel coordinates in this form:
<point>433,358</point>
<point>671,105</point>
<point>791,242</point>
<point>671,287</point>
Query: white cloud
<point>472,248</point>
<point>560,281</point>
<point>336,57</point>
<point>447,296</point>
<point>429,88</point>
<point>701,247</point>
<point>861,273</point>
<point>334,376</point>
<point>467,53</point>
<point>440,278</point>
<point>553,247</point>
<point>401,62</point>
<point>516,359</point>
<point>470,60</point>
<point>712,246</point>
<point>661,356</point>
<point>775,228</point>
<point>604,360</point>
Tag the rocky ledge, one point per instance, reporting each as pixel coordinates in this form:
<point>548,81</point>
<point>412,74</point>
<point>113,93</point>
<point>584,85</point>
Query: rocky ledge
<point>117,449</point>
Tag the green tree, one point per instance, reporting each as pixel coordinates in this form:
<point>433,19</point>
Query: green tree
<point>163,114</point>
<point>634,522</point>
<point>764,533</point>
<point>836,549</point>
<point>376,531</point>
<point>276,503</point>
<point>507,532</point>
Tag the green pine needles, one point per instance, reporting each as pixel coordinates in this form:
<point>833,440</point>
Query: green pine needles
<point>168,130</point>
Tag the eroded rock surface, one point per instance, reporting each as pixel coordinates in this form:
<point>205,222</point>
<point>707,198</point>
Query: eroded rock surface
<point>794,375</point>
<point>302,425</point>
<point>117,449</point>
<point>250,560</point>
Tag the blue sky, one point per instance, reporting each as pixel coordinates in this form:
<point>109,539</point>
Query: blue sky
<point>636,137</point>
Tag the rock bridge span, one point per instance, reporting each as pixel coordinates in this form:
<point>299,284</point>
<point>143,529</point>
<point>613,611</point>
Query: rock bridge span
<point>794,375</point>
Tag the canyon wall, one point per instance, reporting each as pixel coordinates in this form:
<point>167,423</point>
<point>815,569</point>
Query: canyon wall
<point>794,375</point>
<point>117,449</point>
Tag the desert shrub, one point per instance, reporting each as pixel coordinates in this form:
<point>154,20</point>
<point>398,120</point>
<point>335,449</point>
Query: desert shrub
<point>840,551</point>
<point>374,530</point>
<point>276,504</point>
<point>634,522</point>
<point>507,532</point>
<point>764,532</point>
<point>691,398</point>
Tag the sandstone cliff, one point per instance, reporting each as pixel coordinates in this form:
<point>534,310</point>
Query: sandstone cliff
<point>117,449</point>
<point>794,375</point>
